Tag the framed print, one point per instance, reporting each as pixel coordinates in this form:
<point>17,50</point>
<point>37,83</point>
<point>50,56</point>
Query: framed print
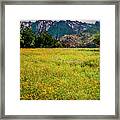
<point>59,59</point>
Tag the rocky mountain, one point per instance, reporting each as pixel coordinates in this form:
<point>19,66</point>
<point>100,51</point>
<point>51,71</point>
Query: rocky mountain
<point>69,33</point>
<point>70,40</point>
<point>60,28</point>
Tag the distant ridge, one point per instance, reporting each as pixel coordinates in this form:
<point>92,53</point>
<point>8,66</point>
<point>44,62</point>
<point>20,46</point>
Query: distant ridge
<point>60,33</point>
<point>60,28</point>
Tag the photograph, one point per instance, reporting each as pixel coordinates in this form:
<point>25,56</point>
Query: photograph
<point>60,59</point>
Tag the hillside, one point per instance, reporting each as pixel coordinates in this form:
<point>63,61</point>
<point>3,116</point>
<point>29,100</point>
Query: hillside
<point>65,31</point>
<point>62,27</point>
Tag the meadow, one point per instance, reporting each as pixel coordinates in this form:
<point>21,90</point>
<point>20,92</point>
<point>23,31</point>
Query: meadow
<point>59,74</point>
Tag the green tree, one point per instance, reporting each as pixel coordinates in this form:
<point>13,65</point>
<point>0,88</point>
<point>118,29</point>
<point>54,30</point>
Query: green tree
<point>44,40</point>
<point>96,39</point>
<point>27,38</point>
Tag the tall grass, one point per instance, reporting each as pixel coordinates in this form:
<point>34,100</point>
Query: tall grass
<point>60,74</point>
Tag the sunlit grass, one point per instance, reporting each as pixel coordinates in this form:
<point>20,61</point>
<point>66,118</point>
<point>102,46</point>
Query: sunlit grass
<point>60,74</point>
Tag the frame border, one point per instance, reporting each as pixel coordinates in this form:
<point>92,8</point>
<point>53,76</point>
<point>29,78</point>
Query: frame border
<point>52,2</point>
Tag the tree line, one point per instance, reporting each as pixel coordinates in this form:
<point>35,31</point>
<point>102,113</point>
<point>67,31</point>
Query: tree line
<point>28,39</point>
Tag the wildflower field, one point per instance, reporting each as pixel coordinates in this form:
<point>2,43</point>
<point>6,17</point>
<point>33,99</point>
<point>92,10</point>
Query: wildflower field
<point>59,74</point>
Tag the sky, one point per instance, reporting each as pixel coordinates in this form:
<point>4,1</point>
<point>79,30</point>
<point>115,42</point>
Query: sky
<point>87,21</point>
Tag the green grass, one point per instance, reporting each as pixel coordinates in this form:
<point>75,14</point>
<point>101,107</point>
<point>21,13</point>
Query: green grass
<point>60,74</point>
